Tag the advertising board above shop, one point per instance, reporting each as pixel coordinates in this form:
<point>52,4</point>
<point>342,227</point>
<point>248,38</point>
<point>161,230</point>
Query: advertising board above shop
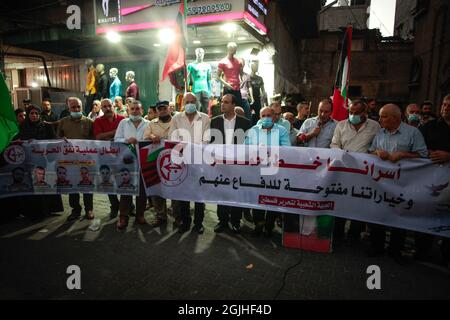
<point>135,15</point>
<point>258,9</point>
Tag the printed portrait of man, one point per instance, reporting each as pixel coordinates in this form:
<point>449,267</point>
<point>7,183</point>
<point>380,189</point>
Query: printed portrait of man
<point>39,177</point>
<point>61,181</point>
<point>126,178</point>
<point>18,184</point>
<point>105,174</point>
<point>85,178</point>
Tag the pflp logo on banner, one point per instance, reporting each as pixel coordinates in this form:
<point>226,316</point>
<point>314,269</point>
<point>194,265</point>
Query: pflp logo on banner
<point>14,154</point>
<point>171,174</point>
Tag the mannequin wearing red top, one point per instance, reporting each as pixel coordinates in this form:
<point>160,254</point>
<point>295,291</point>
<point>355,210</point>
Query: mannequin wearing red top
<point>229,72</point>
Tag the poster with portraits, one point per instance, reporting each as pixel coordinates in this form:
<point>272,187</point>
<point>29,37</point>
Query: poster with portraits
<point>72,166</point>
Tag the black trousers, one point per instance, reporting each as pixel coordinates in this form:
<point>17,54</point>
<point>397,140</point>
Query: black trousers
<point>114,201</point>
<point>356,227</point>
<point>237,95</point>
<point>396,241</point>
<point>257,107</point>
<point>424,245</point>
<point>185,214</point>
<point>88,200</point>
<point>445,249</point>
<point>264,219</point>
<point>89,100</point>
<point>229,214</point>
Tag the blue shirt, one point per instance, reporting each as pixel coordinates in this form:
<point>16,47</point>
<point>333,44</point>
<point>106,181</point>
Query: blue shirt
<point>115,89</point>
<point>323,140</point>
<point>405,139</point>
<point>281,122</point>
<point>277,136</point>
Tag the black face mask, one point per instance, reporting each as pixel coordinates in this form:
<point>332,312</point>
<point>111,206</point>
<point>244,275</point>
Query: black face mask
<point>165,118</point>
<point>427,114</point>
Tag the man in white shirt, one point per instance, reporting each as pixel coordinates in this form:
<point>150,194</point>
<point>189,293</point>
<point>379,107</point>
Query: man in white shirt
<point>190,126</point>
<point>354,134</point>
<point>131,130</point>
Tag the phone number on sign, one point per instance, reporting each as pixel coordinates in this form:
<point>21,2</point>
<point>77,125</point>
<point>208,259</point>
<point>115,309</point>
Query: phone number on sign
<point>213,8</point>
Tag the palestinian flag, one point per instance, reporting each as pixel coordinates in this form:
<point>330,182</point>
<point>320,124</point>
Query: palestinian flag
<point>340,100</point>
<point>8,123</point>
<point>148,157</point>
<point>176,55</point>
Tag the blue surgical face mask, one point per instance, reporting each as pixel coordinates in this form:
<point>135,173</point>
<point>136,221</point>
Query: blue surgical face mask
<point>414,117</point>
<point>354,119</point>
<point>190,108</point>
<point>76,115</point>
<point>266,122</point>
<point>135,118</point>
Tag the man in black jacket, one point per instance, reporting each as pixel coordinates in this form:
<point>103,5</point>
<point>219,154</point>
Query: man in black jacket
<point>229,128</point>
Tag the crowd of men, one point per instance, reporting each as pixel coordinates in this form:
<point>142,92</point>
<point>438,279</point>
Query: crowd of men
<point>388,133</point>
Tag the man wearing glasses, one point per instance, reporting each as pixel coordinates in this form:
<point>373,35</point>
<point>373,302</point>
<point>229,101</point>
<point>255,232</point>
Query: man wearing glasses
<point>277,118</point>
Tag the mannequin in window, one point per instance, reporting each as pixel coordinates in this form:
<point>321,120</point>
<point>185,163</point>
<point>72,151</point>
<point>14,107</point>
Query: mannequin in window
<point>115,88</point>
<point>102,82</point>
<point>246,94</point>
<point>91,85</point>
<point>229,73</point>
<point>133,89</point>
<point>199,74</point>
<point>257,90</point>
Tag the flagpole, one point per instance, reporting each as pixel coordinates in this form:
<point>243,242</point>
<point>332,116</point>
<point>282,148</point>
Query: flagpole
<point>186,85</point>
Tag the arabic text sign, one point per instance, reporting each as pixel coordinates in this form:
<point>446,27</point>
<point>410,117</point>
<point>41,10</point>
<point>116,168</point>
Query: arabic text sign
<point>411,194</point>
<point>56,166</point>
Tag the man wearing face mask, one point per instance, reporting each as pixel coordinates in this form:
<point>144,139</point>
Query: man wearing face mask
<point>156,130</point>
<point>412,114</point>
<point>318,132</point>
<point>353,135</point>
<point>77,126</point>
<point>277,118</point>
<point>190,126</point>
<point>131,131</point>
<point>266,133</point>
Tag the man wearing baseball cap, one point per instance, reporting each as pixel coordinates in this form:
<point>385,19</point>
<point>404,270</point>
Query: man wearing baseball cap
<point>156,130</point>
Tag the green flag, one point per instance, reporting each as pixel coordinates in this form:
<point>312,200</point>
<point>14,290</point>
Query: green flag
<point>8,122</point>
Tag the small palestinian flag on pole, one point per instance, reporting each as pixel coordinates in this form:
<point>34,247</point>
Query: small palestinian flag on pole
<point>340,100</point>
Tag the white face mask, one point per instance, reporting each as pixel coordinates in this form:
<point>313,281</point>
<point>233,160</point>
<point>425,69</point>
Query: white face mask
<point>190,108</point>
<point>135,118</point>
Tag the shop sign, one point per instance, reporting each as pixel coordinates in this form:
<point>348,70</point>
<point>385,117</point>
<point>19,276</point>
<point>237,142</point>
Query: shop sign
<point>107,12</point>
<point>208,9</point>
<point>257,7</point>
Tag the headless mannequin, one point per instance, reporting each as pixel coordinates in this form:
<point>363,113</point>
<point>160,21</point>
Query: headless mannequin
<point>229,73</point>
<point>133,89</point>
<point>91,87</point>
<point>115,88</point>
<point>257,90</point>
<point>102,83</point>
<point>199,73</point>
